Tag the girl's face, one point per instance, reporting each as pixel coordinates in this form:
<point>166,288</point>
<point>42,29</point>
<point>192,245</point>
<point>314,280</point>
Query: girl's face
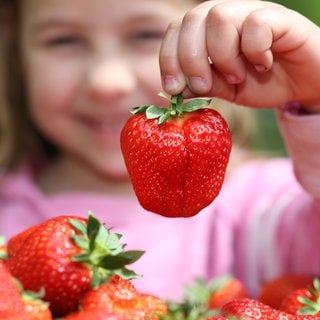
<point>87,63</point>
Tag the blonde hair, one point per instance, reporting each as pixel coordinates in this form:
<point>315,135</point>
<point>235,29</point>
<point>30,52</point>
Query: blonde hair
<point>19,139</point>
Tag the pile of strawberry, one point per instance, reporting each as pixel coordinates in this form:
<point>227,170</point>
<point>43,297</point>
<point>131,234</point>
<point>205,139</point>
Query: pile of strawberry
<point>70,268</point>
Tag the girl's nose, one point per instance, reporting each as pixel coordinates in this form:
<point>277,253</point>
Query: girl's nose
<point>111,79</point>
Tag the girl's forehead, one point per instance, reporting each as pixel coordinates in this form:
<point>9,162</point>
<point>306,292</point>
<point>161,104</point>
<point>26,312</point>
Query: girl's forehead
<point>101,13</point>
<point>106,8</point>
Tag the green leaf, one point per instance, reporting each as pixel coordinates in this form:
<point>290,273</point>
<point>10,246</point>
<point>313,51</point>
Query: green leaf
<point>164,117</point>
<point>162,95</point>
<point>93,228</point>
<point>154,112</point>
<point>79,226</point>
<point>195,104</point>
<point>120,260</point>
<point>140,109</point>
<point>127,274</point>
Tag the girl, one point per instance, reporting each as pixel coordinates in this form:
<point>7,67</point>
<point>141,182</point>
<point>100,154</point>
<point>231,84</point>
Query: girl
<point>73,70</point>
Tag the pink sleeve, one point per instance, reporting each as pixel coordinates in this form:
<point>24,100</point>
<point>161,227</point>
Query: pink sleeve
<point>301,133</point>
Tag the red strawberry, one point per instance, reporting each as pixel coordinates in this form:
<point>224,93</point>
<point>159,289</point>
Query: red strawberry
<point>225,289</point>
<point>304,300</point>
<point>91,315</point>
<point>250,309</point>
<point>176,157</point>
<point>36,308</point>
<point>216,292</point>
<point>274,291</point>
<point>119,297</point>
<point>66,256</point>
<point>11,304</point>
<point>16,242</point>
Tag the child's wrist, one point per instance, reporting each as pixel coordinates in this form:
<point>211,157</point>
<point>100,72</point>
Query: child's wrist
<point>297,108</point>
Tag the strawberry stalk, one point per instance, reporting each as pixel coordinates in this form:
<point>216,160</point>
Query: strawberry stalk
<point>175,109</point>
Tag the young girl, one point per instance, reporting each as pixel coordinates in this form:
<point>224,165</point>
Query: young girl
<point>74,69</point>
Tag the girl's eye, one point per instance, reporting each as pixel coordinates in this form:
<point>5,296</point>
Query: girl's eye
<point>147,36</point>
<point>65,41</point>
<point>146,42</point>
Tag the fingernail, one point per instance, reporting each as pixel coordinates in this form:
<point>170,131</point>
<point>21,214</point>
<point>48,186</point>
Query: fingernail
<point>171,83</point>
<point>197,84</point>
<point>260,67</point>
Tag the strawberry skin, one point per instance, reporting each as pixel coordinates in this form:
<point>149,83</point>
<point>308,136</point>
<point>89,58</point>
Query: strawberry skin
<point>291,303</point>
<point>177,167</point>
<point>250,309</point>
<point>11,304</point>
<point>274,291</point>
<point>39,263</point>
<point>119,297</point>
<point>227,289</point>
<point>91,315</point>
<point>303,301</point>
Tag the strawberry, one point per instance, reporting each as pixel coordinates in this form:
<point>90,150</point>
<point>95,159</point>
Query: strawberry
<point>176,157</point>
<point>91,315</point>
<point>274,291</point>
<point>304,300</point>
<point>119,297</point>
<point>66,256</point>
<point>204,299</point>
<point>36,308</point>
<point>11,304</point>
<point>216,292</point>
<point>250,309</point>
<point>225,289</point>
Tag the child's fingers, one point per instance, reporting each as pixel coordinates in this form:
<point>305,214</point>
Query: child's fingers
<point>223,42</point>
<point>260,30</point>
<point>193,54</point>
<point>173,80</point>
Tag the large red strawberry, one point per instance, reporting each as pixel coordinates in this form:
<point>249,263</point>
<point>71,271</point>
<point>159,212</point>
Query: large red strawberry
<point>91,315</point>
<point>119,297</point>
<point>11,304</point>
<point>250,309</point>
<point>303,301</point>
<point>66,256</point>
<point>274,291</point>
<point>36,308</point>
<point>215,293</point>
<point>177,156</point>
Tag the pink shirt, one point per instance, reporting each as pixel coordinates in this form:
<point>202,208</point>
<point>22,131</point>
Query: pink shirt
<point>262,224</point>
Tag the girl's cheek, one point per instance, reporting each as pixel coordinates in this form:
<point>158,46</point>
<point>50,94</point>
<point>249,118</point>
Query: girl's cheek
<point>51,82</point>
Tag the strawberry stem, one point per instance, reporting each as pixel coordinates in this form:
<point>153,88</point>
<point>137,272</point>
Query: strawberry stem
<point>175,109</point>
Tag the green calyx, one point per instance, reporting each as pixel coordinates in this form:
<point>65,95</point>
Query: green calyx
<point>311,306</point>
<point>195,303</point>
<point>3,253</point>
<point>102,251</point>
<point>175,109</point>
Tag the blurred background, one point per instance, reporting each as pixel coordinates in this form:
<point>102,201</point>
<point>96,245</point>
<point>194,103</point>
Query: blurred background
<point>268,138</point>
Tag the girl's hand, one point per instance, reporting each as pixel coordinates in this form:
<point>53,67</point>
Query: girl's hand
<point>250,52</point>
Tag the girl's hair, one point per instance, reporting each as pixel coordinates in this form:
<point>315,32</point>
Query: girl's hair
<point>19,139</point>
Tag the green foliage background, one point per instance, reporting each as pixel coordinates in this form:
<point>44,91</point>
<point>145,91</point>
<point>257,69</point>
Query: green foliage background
<point>268,137</point>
